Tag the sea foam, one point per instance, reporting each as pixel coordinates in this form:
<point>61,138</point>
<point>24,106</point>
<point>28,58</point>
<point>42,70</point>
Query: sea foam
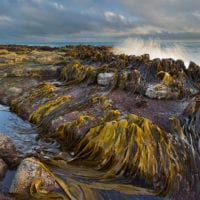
<point>155,48</point>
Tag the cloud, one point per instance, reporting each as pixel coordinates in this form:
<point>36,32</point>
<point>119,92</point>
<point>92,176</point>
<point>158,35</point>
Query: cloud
<point>111,17</point>
<point>172,16</point>
<point>5,20</point>
<point>58,6</point>
<point>97,20</point>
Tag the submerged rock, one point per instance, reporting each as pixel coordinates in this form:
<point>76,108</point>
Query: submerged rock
<point>28,171</point>
<point>8,151</point>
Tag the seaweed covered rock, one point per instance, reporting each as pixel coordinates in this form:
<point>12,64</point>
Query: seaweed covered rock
<point>119,116</point>
<point>124,149</point>
<point>159,91</point>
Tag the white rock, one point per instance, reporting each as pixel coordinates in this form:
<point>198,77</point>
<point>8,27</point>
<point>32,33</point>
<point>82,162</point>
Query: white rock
<point>26,172</point>
<point>104,78</point>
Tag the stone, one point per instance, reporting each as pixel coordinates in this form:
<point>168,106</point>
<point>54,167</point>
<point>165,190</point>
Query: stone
<point>8,151</point>
<point>26,172</point>
<point>104,79</point>
<point>158,91</point>
<point>14,91</point>
<point>3,168</point>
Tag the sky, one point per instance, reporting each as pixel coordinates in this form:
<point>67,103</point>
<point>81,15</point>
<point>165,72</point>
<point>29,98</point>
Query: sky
<point>98,20</point>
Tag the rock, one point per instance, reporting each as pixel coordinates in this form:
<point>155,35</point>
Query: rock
<point>14,91</point>
<point>26,172</point>
<point>6,197</point>
<point>104,78</point>
<point>3,168</point>
<point>159,91</point>
<point>8,151</point>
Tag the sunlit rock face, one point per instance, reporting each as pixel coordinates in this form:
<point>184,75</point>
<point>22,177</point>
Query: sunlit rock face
<point>118,119</point>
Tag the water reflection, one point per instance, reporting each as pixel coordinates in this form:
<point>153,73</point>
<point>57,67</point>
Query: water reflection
<point>23,134</point>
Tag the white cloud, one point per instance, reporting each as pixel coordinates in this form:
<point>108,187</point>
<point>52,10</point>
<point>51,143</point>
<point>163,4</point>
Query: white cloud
<point>5,19</point>
<point>114,17</point>
<point>58,6</point>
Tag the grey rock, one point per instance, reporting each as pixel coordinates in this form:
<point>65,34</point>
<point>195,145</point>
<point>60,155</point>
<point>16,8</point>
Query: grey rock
<point>104,79</point>
<point>26,172</point>
<point>3,168</point>
<point>8,151</point>
<point>14,91</point>
<point>158,91</point>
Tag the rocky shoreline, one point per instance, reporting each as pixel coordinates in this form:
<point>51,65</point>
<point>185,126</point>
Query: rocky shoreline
<point>130,119</point>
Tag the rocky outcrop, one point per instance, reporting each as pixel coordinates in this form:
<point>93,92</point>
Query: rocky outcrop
<point>111,113</point>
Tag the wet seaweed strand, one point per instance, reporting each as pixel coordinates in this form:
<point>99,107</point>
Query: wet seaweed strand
<point>133,148</point>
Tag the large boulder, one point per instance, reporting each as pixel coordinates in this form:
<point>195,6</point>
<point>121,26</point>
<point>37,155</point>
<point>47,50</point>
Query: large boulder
<point>27,171</point>
<point>8,151</point>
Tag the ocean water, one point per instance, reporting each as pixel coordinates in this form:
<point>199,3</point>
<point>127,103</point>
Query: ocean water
<point>186,50</point>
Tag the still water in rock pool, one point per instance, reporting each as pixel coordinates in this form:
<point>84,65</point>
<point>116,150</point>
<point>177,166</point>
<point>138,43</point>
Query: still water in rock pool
<point>22,133</point>
<point>83,183</point>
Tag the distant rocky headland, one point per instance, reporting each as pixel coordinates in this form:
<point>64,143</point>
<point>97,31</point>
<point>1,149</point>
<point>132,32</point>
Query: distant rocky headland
<point>130,122</point>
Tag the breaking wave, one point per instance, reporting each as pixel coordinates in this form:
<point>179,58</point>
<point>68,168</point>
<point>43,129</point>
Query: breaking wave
<point>155,48</point>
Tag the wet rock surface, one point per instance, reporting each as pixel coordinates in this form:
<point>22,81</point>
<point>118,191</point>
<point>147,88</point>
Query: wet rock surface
<point>128,118</point>
<point>8,151</point>
<point>3,168</point>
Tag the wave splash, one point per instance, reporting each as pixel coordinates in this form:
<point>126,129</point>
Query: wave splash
<point>155,48</point>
